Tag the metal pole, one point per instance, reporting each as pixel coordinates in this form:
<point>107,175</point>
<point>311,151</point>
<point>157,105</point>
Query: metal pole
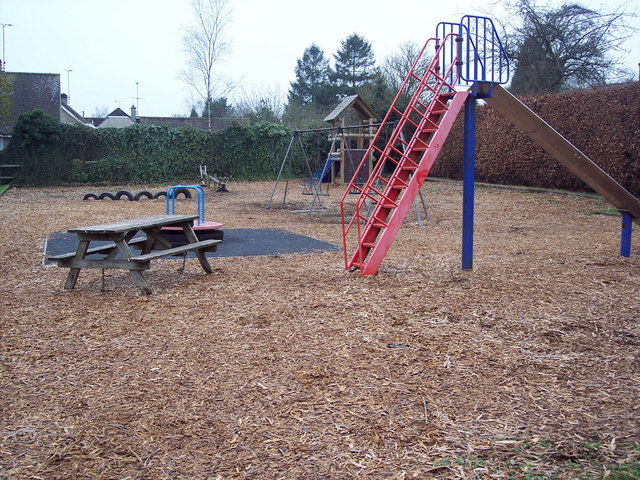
<point>322,174</point>
<point>346,127</point>
<point>4,55</point>
<point>284,160</point>
<point>625,235</point>
<point>68,85</point>
<point>304,155</point>
<point>415,200</point>
<point>468,180</point>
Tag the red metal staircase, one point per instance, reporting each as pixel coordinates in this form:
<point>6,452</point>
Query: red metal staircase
<point>401,166</point>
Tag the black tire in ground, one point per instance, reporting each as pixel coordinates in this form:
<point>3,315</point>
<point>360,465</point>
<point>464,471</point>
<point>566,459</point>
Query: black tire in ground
<point>123,193</point>
<point>142,193</point>
<point>104,195</point>
<point>184,191</point>
<point>90,196</point>
<point>160,194</point>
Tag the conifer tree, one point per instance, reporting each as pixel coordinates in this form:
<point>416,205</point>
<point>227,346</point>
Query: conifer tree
<point>312,79</point>
<point>354,64</point>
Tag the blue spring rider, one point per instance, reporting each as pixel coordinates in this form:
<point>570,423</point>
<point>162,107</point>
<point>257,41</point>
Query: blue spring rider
<point>204,230</point>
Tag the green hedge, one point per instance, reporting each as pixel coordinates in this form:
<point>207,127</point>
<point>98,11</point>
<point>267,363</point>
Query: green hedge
<point>52,153</point>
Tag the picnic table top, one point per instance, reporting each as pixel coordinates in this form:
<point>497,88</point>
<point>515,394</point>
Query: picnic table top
<point>135,224</point>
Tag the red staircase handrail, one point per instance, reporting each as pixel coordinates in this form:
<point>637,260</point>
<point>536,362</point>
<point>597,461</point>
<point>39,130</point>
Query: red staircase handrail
<point>385,154</point>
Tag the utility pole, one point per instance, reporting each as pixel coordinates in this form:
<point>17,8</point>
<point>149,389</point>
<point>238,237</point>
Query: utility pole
<point>68,86</point>
<point>138,98</point>
<point>4,55</point>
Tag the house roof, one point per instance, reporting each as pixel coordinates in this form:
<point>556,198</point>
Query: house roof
<point>118,112</point>
<point>116,121</point>
<point>72,114</point>
<point>352,101</point>
<point>119,119</point>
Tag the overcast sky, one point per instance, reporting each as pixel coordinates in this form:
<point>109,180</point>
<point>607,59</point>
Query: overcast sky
<point>109,45</point>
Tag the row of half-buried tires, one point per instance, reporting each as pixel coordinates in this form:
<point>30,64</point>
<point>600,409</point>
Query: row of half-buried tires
<point>137,197</point>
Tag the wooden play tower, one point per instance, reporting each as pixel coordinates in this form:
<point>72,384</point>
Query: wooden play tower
<point>352,143</point>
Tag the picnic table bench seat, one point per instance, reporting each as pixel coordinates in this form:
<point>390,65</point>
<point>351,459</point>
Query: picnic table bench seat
<point>205,245</point>
<point>106,249</point>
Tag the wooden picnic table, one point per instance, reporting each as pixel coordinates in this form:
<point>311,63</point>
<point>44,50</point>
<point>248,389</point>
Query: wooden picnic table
<point>121,235</point>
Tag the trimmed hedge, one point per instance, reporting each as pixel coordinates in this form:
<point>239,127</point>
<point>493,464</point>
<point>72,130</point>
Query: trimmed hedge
<point>141,153</point>
<point>603,123</point>
<point>148,154</point>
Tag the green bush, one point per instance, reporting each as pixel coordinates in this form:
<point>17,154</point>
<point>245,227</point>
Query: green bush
<point>34,145</point>
<point>52,153</point>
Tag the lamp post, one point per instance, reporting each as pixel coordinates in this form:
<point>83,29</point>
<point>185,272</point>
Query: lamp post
<point>68,85</point>
<point>4,55</point>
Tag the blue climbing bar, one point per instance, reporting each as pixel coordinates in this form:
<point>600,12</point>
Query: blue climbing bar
<point>171,200</point>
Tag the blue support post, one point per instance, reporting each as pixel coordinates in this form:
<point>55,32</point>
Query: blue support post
<point>468,182</point>
<point>625,235</point>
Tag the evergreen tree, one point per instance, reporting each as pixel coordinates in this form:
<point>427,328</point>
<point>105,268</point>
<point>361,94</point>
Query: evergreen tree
<point>264,113</point>
<point>34,139</point>
<point>312,83</point>
<point>354,64</point>
<point>378,94</point>
<point>218,108</point>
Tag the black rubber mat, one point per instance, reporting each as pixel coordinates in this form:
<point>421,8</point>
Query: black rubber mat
<point>238,242</point>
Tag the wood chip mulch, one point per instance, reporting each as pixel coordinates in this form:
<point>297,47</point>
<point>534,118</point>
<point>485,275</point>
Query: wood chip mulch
<point>289,367</point>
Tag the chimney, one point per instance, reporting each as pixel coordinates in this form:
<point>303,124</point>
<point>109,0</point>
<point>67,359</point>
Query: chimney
<point>134,113</point>
<point>64,99</point>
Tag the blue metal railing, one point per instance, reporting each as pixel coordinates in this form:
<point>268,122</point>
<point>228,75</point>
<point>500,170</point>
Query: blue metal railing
<point>171,197</point>
<point>481,56</point>
<point>450,50</point>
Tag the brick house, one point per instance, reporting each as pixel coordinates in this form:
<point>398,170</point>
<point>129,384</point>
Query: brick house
<point>22,92</point>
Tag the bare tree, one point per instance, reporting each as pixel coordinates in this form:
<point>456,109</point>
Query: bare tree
<point>264,103</point>
<point>397,65</point>
<point>205,44</point>
<point>563,48</point>
<point>100,112</point>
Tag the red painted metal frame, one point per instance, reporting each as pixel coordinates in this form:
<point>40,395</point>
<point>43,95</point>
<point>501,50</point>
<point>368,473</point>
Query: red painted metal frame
<point>419,175</point>
<point>412,160</point>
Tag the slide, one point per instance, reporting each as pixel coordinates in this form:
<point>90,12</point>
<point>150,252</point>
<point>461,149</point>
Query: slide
<point>562,150</point>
